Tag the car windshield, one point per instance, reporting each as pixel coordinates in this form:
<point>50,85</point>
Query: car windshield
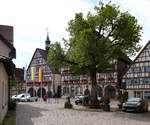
<point>134,100</point>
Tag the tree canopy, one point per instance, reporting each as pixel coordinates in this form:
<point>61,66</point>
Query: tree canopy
<point>97,38</point>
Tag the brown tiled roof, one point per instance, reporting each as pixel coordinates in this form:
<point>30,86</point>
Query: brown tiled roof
<point>44,55</point>
<point>7,43</point>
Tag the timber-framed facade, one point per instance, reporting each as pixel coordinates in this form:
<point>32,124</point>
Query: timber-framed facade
<point>137,78</point>
<point>50,77</point>
<point>107,82</point>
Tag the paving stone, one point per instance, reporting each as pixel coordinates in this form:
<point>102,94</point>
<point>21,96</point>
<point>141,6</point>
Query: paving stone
<point>41,113</point>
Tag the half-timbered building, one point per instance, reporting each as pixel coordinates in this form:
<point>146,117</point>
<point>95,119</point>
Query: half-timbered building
<point>137,78</point>
<point>107,82</point>
<point>42,78</point>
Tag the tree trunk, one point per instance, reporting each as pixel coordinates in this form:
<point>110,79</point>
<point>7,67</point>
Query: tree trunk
<point>94,86</point>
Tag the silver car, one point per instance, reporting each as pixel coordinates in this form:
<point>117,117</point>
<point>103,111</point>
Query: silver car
<point>135,105</point>
<point>33,99</point>
<point>23,97</point>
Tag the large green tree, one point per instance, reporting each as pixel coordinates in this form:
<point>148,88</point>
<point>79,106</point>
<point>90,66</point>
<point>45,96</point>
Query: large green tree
<point>95,40</point>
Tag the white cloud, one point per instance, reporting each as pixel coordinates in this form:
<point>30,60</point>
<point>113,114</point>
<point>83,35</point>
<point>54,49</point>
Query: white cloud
<point>30,19</point>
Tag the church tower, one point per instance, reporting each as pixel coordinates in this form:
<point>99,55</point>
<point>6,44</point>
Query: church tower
<point>47,42</point>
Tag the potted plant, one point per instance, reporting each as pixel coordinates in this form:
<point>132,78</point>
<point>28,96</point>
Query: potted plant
<point>106,103</point>
<point>122,97</point>
<point>68,103</point>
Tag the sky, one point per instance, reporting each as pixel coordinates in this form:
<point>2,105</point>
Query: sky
<point>31,18</point>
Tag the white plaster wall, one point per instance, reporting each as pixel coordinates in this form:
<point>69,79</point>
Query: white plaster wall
<point>130,93</point>
<point>3,92</point>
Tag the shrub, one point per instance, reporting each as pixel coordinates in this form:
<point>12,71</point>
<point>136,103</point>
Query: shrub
<point>106,100</point>
<point>105,103</point>
<point>12,104</point>
<point>68,103</point>
<point>122,97</point>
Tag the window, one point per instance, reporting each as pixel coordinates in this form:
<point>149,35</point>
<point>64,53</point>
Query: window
<point>67,90</point>
<point>65,77</point>
<point>77,90</point>
<point>147,94</point>
<point>146,80</point>
<point>132,81</point>
<point>146,68</point>
<point>64,90</point>
<point>136,81</point>
<point>81,90</point>
<point>136,69</point>
<point>128,82</point>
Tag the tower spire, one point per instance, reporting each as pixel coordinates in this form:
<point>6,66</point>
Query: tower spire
<point>47,42</point>
<point>47,39</point>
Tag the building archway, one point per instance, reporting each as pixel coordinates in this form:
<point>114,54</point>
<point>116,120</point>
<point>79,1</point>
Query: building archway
<point>39,92</point>
<point>32,92</point>
<point>110,91</point>
<point>59,91</point>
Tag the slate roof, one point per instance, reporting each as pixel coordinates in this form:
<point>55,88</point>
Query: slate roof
<point>43,53</point>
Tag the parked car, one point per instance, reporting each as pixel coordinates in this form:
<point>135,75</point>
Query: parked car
<point>33,99</point>
<point>24,97</point>
<point>83,99</point>
<point>14,97</point>
<point>135,105</point>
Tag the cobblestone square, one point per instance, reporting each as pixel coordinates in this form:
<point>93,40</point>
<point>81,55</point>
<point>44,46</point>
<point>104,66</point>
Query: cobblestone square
<point>53,113</point>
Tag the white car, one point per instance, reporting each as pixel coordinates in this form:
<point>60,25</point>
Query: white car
<point>14,97</point>
<point>33,99</point>
<point>24,97</point>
